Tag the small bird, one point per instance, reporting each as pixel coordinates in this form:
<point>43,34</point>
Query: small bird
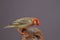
<point>24,22</point>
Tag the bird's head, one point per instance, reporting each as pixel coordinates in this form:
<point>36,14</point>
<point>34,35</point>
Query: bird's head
<point>35,21</point>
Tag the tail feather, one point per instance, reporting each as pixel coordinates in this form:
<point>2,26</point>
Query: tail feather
<point>9,26</point>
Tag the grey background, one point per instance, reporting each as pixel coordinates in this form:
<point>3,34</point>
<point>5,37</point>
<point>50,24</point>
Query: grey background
<point>48,12</point>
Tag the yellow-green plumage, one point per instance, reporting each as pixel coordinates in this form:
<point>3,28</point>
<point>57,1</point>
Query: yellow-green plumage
<point>21,23</point>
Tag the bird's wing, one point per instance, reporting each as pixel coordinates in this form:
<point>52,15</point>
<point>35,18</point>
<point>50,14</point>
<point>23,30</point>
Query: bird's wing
<point>21,23</point>
<point>9,26</point>
<point>25,19</point>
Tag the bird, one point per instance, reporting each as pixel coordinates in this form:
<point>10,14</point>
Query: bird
<point>23,23</point>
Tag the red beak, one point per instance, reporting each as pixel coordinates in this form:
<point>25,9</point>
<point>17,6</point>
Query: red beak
<point>36,21</point>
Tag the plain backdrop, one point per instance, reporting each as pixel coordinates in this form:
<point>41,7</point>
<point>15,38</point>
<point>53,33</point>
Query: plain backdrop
<point>48,12</point>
